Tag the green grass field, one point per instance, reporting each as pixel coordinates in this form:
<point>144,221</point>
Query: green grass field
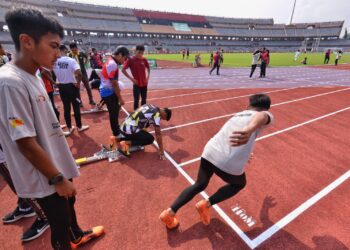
<point>244,59</point>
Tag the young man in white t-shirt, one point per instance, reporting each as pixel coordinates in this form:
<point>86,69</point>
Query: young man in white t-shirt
<point>68,78</point>
<point>226,155</point>
<point>39,159</point>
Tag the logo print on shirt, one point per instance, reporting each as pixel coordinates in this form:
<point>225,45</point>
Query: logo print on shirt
<point>41,98</point>
<point>16,122</point>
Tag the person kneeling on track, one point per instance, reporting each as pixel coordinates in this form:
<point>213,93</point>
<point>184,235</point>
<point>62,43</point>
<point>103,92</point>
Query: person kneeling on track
<point>134,128</point>
<point>225,155</point>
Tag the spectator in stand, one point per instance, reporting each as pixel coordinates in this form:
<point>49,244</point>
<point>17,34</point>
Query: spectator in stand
<point>327,56</point>
<point>82,59</point>
<point>96,59</point>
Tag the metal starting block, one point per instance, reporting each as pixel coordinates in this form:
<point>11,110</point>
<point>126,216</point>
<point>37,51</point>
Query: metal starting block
<point>106,153</point>
<point>90,111</point>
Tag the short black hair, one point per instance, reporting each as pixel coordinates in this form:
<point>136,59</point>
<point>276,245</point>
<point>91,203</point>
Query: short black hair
<point>122,50</point>
<point>140,47</point>
<point>168,113</point>
<point>260,101</point>
<point>73,45</point>
<point>63,47</point>
<point>32,22</point>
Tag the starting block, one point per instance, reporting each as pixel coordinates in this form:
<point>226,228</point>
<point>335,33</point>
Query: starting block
<point>90,111</point>
<point>106,153</point>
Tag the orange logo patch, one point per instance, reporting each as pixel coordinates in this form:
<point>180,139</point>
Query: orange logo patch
<point>15,122</point>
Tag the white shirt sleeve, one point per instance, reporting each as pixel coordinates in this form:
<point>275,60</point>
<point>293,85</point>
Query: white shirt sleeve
<point>16,112</point>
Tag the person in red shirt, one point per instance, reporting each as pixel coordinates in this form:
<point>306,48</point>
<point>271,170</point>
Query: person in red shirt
<point>138,66</point>
<point>46,76</point>
<point>96,59</point>
<point>216,63</point>
<point>264,57</point>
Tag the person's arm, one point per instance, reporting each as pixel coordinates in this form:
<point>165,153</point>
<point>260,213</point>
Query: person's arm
<point>36,155</point>
<point>241,137</point>
<point>125,67</point>
<point>133,80</point>
<point>78,76</point>
<point>117,91</point>
<point>148,70</point>
<point>159,140</point>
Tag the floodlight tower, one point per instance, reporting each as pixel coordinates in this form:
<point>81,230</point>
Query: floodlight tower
<point>291,18</point>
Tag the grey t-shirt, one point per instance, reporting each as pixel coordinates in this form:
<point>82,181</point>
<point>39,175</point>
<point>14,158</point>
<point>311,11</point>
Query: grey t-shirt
<point>26,111</point>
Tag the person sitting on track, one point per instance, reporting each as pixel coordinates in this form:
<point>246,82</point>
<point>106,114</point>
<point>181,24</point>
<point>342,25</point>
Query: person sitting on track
<point>135,125</point>
<point>225,155</point>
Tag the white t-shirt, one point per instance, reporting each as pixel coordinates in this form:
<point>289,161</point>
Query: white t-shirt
<point>2,157</point>
<point>255,58</point>
<point>64,70</point>
<point>296,55</point>
<point>219,152</point>
<point>25,111</point>
<point>338,56</point>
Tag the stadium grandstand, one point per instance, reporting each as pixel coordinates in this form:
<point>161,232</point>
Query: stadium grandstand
<point>108,27</point>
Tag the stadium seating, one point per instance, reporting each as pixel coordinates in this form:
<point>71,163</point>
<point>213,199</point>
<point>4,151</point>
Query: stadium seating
<point>90,25</point>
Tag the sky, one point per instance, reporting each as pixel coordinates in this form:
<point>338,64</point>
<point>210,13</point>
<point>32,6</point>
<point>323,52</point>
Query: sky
<point>279,10</point>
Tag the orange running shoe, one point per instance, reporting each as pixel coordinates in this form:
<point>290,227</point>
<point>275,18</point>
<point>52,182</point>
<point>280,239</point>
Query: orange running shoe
<point>112,142</point>
<point>204,211</point>
<point>170,221</point>
<point>88,235</point>
<point>123,148</point>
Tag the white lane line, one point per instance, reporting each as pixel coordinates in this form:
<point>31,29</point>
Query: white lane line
<point>277,104</point>
<point>156,90</point>
<point>280,131</point>
<point>230,98</point>
<point>188,94</point>
<point>299,210</point>
<point>223,215</point>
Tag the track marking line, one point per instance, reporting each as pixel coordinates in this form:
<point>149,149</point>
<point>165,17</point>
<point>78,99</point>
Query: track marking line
<point>223,215</point>
<point>229,98</point>
<point>279,131</point>
<point>299,210</point>
<point>277,104</point>
<point>188,94</point>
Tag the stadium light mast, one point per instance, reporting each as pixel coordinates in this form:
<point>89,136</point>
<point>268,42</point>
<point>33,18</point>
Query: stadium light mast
<point>291,18</point>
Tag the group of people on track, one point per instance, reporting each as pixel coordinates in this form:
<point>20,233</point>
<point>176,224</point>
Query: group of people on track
<point>35,158</point>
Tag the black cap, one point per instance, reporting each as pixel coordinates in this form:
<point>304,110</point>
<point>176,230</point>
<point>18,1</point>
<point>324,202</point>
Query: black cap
<point>123,51</point>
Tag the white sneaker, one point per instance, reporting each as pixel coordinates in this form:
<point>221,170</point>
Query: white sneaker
<point>69,132</point>
<point>84,127</point>
<point>63,126</point>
